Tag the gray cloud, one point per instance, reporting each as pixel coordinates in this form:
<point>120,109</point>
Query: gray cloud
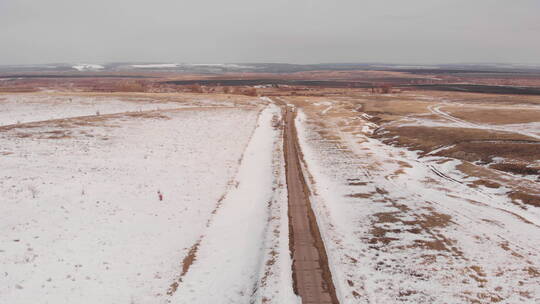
<point>300,31</point>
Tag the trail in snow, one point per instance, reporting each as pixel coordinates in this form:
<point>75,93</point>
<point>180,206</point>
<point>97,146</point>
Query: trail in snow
<point>230,260</point>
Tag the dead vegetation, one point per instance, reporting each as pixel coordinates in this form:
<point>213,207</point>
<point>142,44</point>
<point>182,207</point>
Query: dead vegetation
<point>491,114</point>
<point>466,144</point>
<point>525,198</point>
<point>517,168</point>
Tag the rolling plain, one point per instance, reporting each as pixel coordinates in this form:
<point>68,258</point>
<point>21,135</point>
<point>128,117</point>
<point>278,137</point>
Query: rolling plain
<point>222,184</point>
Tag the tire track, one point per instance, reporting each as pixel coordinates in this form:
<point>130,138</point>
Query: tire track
<point>191,255</point>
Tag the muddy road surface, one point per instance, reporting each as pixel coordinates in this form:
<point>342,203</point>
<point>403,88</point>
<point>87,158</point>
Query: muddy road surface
<point>311,274</point>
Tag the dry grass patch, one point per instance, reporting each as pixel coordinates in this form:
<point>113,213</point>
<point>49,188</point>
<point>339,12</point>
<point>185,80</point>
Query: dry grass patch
<point>485,183</point>
<point>468,144</point>
<point>495,116</point>
<point>517,168</point>
<point>525,198</point>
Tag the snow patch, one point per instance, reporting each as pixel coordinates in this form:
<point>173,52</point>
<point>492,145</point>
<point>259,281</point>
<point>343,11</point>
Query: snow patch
<point>88,67</point>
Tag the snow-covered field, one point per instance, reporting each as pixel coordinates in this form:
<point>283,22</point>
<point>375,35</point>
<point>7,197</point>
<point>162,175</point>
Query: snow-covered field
<point>183,199</point>
<point>190,65</point>
<point>242,256</point>
<point>402,229</point>
<point>88,67</point>
<point>155,66</point>
<point>23,108</point>
<point>82,219</point>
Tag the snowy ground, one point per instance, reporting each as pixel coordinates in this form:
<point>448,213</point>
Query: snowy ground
<point>242,256</point>
<point>81,217</point>
<point>23,108</point>
<point>403,229</point>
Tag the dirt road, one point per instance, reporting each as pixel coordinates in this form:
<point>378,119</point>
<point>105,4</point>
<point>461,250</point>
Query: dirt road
<point>311,274</point>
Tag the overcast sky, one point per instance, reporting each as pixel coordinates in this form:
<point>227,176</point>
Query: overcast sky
<point>293,31</point>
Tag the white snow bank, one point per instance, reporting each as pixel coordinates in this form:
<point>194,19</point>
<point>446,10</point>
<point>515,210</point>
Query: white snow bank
<point>88,67</point>
<point>220,65</point>
<point>230,260</point>
<point>155,66</point>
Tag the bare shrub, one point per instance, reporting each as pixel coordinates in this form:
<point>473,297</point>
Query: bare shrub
<point>194,88</point>
<point>132,86</point>
<point>250,92</point>
<point>235,90</point>
<point>385,88</point>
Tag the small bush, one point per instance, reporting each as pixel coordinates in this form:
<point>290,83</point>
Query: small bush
<point>250,92</point>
